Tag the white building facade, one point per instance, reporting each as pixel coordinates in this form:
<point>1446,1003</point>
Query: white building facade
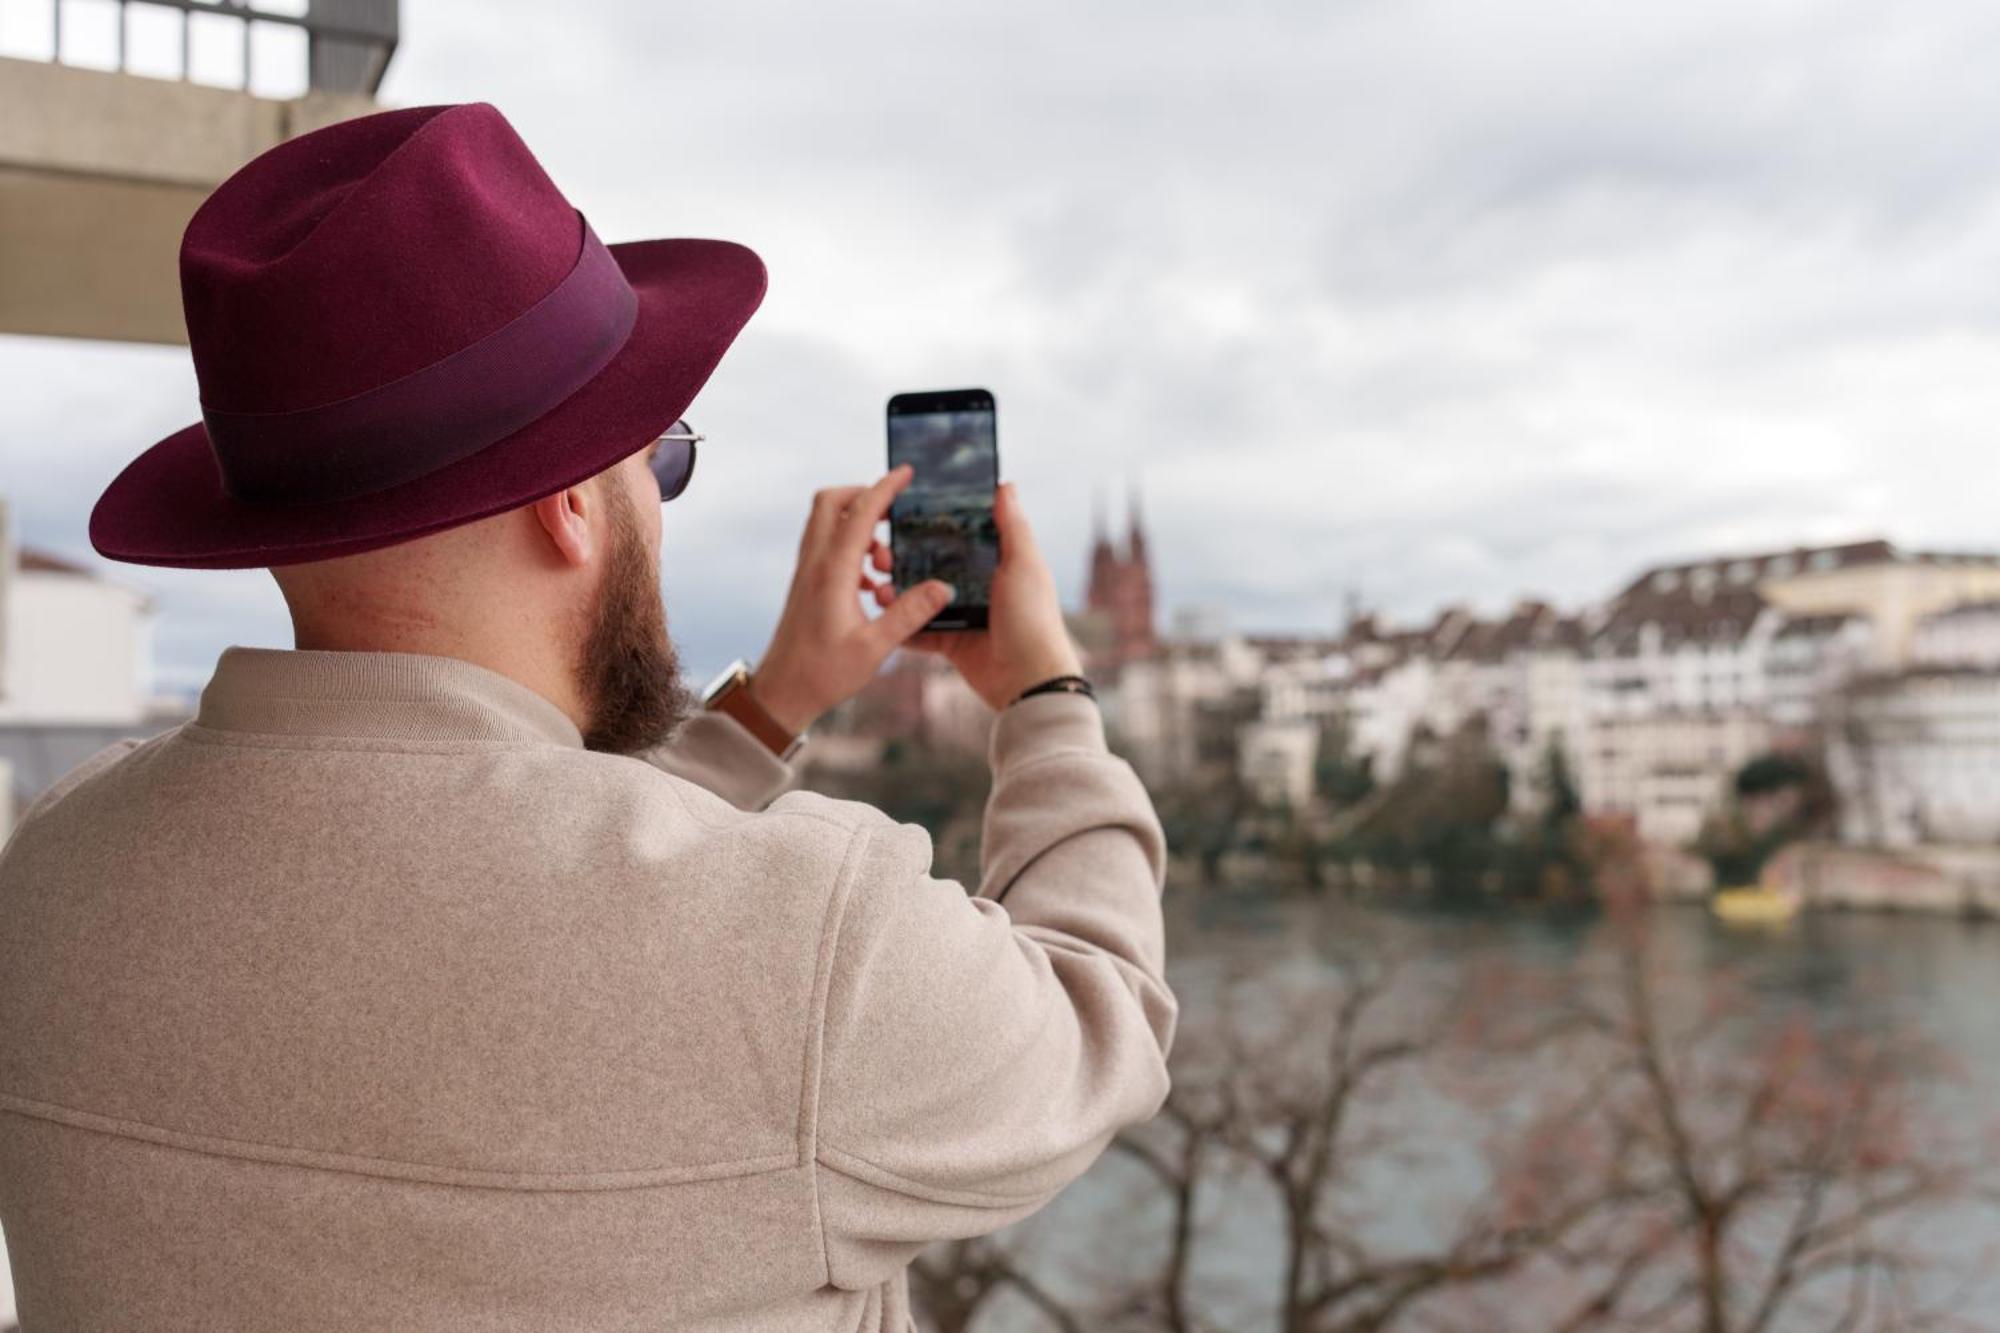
<point>1276,760</point>
<point>1916,758</point>
<point>1654,699</point>
<point>76,669</point>
<point>78,648</point>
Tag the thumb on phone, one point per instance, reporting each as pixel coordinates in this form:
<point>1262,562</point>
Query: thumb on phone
<point>1017,539</point>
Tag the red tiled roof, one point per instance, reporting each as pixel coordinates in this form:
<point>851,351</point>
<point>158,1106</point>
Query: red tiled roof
<point>1289,647</point>
<point>1977,559</point>
<point>1748,570</point>
<point>41,562</point>
<point>1717,600</point>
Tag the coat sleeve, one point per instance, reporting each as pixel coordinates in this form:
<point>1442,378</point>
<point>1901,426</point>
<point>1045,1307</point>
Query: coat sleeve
<point>714,750</point>
<point>980,1050</point>
<point>74,778</point>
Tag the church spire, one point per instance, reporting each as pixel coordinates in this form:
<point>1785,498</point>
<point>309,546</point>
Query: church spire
<point>1121,583</point>
<point>1135,528</point>
<point>1100,592</point>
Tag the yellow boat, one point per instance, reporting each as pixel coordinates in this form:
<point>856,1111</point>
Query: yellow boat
<point>1754,905</point>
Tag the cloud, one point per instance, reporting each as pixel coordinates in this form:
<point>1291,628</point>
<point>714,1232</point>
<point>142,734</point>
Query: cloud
<point>1436,300</point>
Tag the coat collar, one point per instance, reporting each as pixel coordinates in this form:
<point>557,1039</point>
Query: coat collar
<point>390,696</point>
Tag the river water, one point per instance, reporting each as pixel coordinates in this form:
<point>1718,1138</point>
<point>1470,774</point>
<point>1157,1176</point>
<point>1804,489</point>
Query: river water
<point>1908,978</point>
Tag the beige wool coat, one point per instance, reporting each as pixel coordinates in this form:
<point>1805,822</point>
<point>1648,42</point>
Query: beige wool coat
<point>370,999</point>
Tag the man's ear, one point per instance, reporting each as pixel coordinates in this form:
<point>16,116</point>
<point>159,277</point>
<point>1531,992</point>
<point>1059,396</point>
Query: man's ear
<point>565,517</point>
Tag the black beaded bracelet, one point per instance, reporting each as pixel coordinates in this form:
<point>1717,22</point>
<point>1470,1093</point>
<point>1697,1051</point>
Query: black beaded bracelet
<point>1059,685</point>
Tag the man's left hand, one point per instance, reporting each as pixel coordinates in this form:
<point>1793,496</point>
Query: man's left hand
<point>825,647</point>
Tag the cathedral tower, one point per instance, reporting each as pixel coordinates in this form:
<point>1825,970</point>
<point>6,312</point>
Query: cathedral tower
<point>1121,583</point>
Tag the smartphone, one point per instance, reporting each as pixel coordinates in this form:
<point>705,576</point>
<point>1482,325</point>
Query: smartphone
<point>941,524</point>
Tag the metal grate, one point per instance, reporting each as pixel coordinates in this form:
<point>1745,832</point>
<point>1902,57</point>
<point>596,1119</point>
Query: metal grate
<point>348,42</point>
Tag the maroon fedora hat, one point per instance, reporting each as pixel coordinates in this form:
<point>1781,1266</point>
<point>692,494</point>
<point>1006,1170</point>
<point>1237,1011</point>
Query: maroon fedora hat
<point>399,325</point>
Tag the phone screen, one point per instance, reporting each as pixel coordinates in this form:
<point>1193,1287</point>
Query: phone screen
<point>941,524</point>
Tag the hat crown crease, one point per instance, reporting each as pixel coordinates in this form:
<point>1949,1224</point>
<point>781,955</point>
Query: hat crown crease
<point>443,239</point>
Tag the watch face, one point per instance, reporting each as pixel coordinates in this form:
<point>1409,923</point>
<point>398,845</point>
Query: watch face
<point>736,670</point>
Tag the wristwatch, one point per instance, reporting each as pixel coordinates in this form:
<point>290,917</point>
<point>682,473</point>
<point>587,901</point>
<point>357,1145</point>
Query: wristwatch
<point>729,693</point>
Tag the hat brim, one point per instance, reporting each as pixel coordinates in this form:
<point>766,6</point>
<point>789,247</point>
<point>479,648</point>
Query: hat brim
<point>168,506</point>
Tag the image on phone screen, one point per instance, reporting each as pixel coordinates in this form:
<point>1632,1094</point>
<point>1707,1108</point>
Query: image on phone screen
<point>941,524</point>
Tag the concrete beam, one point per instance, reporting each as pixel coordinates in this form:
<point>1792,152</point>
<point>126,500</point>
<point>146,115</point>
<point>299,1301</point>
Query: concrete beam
<point>92,258</point>
<point>99,174</point>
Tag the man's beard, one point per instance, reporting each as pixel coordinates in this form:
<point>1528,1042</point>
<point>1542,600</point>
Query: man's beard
<point>630,675</point>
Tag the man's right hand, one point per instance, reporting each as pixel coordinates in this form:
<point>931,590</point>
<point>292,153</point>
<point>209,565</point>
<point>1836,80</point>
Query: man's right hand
<point>1025,641</point>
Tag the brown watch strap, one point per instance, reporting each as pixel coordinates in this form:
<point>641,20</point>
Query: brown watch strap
<point>739,703</point>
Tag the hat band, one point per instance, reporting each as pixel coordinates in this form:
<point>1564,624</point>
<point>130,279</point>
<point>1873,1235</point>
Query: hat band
<point>447,411</point>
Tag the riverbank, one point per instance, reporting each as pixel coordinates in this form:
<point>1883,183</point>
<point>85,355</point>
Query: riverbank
<point>1940,880</point>
<point>1959,881</point>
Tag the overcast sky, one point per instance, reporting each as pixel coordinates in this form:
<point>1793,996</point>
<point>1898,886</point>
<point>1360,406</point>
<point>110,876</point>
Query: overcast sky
<point>1425,301</point>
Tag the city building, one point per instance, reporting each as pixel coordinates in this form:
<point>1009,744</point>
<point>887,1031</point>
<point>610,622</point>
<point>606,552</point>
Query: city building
<point>78,647</point>
<point>1670,770</point>
<point>1276,760</point>
<point>1894,589</point>
<point>1120,591</point>
<point>76,670</point>
<point>1697,666</point>
<point>1914,752</point>
<point>1915,757</point>
<point>1652,700</point>
<point>1964,635</point>
<point>1806,663</point>
<point>1176,712</point>
<point>1554,716</point>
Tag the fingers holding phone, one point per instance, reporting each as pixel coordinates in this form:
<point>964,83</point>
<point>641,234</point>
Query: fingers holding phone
<point>1025,641</point>
<point>825,648</point>
<point>1003,629</point>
